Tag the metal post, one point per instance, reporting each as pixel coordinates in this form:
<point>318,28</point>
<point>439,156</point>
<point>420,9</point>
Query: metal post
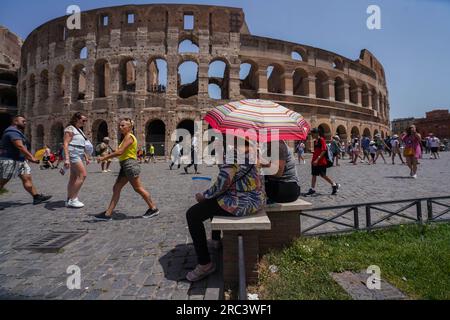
<point>356,217</point>
<point>368,220</point>
<point>242,275</point>
<point>430,210</point>
<point>419,211</point>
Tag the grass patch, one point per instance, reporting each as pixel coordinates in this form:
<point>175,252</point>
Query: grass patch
<point>419,254</point>
<point>3,191</point>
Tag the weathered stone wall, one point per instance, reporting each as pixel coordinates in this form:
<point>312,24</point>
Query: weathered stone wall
<point>114,79</point>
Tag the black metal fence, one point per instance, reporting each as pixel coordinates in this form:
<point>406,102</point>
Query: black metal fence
<point>351,213</point>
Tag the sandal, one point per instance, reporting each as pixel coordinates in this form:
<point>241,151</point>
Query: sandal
<point>199,273</point>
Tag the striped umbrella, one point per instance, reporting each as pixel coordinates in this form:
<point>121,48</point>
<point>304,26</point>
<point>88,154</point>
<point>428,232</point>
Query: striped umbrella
<point>259,120</point>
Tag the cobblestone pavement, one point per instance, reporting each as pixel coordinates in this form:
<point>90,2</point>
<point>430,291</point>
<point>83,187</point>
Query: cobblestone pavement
<point>133,258</point>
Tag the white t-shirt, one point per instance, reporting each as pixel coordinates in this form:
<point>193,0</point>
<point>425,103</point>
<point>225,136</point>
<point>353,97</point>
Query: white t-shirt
<point>78,139</point>
<point>395,143</point>
<point>434,142</point>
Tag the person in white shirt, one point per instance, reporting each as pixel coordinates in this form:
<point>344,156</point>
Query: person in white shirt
<point>435,143</point>
<point>395,143</point>
<point>373,151</point>
<point>194,153</point>
<point>176,155</point>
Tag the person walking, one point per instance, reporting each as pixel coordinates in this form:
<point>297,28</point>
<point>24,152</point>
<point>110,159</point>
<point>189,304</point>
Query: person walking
<point>365,145</point>
<point>103,149</point>
<point>381,146</point>
<point>300,150</point>
<point>237,192</point>
<point>75,146</point>
<point>356,150</point>
<point>176,155</point>
<point>151,154</point>
<point>129,173</point>
<point>395,144</point>
<point>412,151</point>
<point>14,158</point>
<point>336,150</point>
<point>435,144</point>
<point>194,152</point>
<point>320,163</point>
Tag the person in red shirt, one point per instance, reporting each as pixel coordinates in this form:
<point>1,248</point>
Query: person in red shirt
<point>319,163</point>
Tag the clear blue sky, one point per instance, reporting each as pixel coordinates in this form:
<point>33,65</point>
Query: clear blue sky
<point>413,44</point>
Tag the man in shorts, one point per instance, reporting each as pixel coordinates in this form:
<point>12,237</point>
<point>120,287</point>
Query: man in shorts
<point>319,163</point>
<point>14,157</point>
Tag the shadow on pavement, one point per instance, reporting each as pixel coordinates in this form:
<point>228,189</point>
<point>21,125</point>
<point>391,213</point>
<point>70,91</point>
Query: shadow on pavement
<point>53,206</point>
<point>398,177</point>
<point>178,262</point>
<point>9,204</point>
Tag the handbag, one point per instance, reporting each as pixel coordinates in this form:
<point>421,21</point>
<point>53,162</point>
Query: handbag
<point>88,147</point>
<point>409,152</point>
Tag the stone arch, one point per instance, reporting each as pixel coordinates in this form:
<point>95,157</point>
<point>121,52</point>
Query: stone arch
<point>299,54</point>
<point>367,133</point>
<point>78,83</point>
<point>248,75</point>
<point>355,132</point>
<point>157,72</point>
<point>353,92</point>
<point>219,75</point>
<point>56,136</point>
<point>382,135</point>
<point>127,74</point>
<point>374,96</point>
<point>40,136</point>
<point>326,130</point>
<point>155,133</point>
<point>341,131</point>
<point>339,88</point>
<point>275,78</point>
<point>188,125</point>
<point>80,50</point>
<point>102,78</point>
<point>100,131</point>
<point>322,88</point>
<point>188,84</point>
<point>59,82</point>
<point>375,132</point>
<point>43,86</point>
<point>8,97</point>
<point>188,45</point>
<point>365,96</point>
<point>338,63</point>
<point>301,82</point>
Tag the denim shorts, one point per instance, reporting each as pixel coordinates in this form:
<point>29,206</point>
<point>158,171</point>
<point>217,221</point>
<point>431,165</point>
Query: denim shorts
<point>76,154</point>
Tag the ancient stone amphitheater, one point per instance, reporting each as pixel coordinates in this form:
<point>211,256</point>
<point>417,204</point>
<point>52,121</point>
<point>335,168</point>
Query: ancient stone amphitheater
<point>129,61</point>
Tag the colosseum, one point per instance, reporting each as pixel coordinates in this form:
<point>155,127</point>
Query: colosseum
<point>129,61</point>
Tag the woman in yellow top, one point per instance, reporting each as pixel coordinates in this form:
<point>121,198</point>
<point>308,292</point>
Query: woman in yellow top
<point>129,172</point>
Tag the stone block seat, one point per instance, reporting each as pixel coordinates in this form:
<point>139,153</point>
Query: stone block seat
<point>272,228</point>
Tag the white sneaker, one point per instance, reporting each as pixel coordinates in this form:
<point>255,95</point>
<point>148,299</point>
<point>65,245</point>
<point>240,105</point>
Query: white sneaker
<point>75,203</point>
<point>414,176</point>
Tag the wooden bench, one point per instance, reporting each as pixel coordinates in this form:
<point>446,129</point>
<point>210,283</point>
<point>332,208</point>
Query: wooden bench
<point>273,228</point>
<point>249,228</point>
<point>286,225</point>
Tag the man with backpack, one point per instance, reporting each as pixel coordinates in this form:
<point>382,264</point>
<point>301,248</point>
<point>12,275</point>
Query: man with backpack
<point>320,162</point>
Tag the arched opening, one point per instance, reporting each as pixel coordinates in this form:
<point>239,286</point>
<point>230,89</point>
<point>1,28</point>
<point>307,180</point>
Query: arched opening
<point>39,137</point>
<point>157,76</point>
<point>338,64</point>
<point>342,133</point>
<point>339,89</point>
<point>83,53</point>
<point>325,129</point>
<point>353,92</point>
<point>32,92</point>
<point>102,79</point>
<point>8,78</point>
<point>187,79</point>
<point>275,79</point>
<point>375,100</point>
<point>380,104</point>
<point>5,122</point>
<point>188,46</point>
<point>43,86</point>
<point>219,79</point>
<point>382,135</point>
<point>79,83</point>
<point>57,136</point>
<point>156,135</point>
<point>128,75</point>
<point>367,133</point>
<point>322,90</point>
<point>365,96</point>
<point>375,132</point>
<point>60,82</point>
<point>188,125</point>
<point>99,131</point>
<point>301,83</point>
<point>355,132</point>
<point>8,97</point>
<point>80,50</point>
<point>249,79</point>
<point>297,56</point>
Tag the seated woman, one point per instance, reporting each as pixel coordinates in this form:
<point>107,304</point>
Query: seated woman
<point>238,191</point>
<point>283,186</point>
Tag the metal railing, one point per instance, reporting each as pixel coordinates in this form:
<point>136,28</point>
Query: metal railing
<point>369,209</point>
<point>242,275</point>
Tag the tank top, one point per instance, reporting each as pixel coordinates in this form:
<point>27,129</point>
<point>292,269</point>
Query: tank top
<point>131,151</point>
